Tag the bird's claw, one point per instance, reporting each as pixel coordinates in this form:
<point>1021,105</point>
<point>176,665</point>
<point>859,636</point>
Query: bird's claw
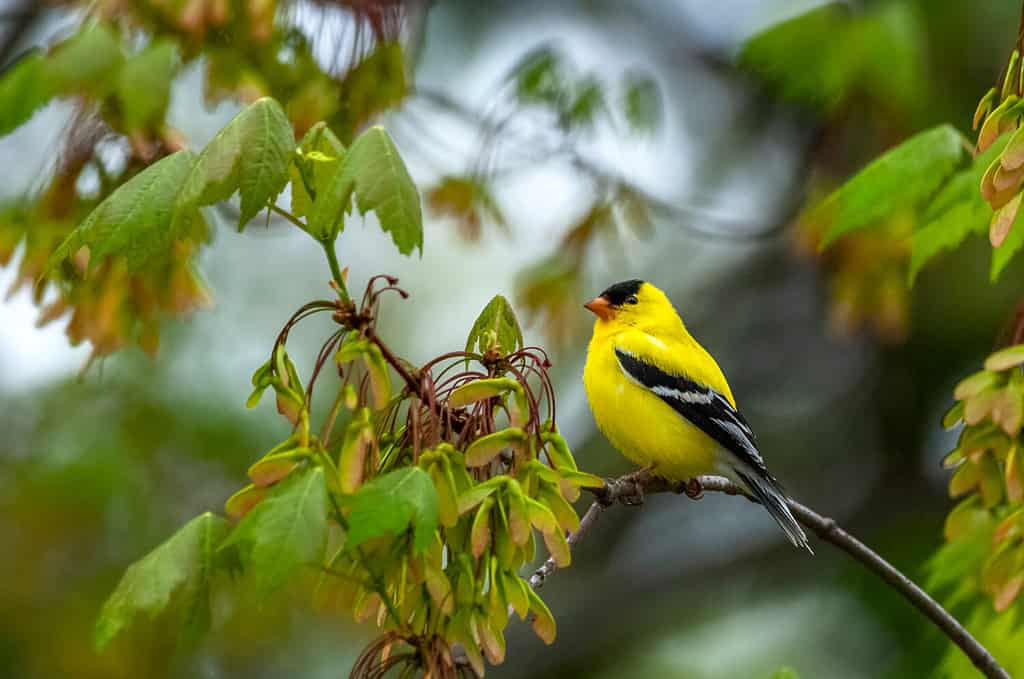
<point>634,500</point>
<point>694,490</point>
<point>638,479</point>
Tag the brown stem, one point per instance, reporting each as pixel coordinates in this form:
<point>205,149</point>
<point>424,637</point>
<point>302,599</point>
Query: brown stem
<point>639,484</point>
<point>1020,31</point>
<point>395,362</point>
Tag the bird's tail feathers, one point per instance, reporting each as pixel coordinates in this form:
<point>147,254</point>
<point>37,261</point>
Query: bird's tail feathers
<point>767,491</point>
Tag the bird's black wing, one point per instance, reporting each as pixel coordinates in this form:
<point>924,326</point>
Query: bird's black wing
<point>702,406</point>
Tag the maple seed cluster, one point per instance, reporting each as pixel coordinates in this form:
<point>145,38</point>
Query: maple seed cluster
<point>434,493</point>
<point>998,113</point>
<point>988,460</point>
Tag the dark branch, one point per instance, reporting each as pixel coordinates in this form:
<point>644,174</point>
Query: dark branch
<point>627,489</point>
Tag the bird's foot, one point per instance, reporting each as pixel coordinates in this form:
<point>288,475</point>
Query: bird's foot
<point>637,480</point>
<point>694,490</point>
<point>635,499</point>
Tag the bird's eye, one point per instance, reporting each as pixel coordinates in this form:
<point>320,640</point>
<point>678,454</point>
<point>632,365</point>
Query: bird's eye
<point>631,299</point>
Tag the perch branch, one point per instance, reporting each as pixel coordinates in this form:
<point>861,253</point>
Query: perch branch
<point>633,486</point>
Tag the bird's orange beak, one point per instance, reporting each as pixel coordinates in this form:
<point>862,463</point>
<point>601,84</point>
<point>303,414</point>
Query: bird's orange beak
<point>601,307</point>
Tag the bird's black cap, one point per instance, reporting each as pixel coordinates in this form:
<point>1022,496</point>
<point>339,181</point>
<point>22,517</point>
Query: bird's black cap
<point>617,294</point>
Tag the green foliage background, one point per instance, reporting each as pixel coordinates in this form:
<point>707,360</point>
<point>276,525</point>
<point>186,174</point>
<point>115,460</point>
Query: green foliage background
<point>97,473</point>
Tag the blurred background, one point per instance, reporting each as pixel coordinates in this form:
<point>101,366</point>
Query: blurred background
<point>842,370</point>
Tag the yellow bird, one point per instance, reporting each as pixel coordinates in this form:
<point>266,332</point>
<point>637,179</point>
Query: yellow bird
<point>662,400</point>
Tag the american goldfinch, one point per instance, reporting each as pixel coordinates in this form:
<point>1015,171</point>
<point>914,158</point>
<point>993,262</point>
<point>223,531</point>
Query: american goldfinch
<point>661,399</point>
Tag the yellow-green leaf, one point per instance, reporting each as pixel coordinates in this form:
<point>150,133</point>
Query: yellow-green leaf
<point>447,494</point>
<point>543,622</point>
<point>486,448</point>
<point>239,504</point>
<point>480,534</point>
<point>496,327</point>
<point>439,588</point>
<point>273,468</point>
<point>515,592</point>
<point>477,390</point>
<point>316,160</point>
<point>563,511</point>
<point>558,547</point>
<point>558,451</point>
<point>541,517</point>
<point>964,479</point>
<point>965,518</point>
<point>975,384</point>
<point>358,441</point>
<point>475,495</point>
<point>581,479</point>
<point>953,416</point>
<point>1004,359</point>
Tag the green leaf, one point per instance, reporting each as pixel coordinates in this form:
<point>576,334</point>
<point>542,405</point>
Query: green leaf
<point>588,100</point>
<point>641,103</point>
<point>785,673</point>
<point>144,85</point>
<point>319,155</point>
<point>137,221</point>
<point>957,210</point>
<point>778,55</point>
<point>354,347</point>
<point>392,504</point>
<point>883,49</point>
<point>540,78</point>
<point>543,622</point>
<point>1007,358</point>
<point>477,390</point>
<point>899,178</point>
<point>87,62</point>
<point>250,155</point>
<point>24,89</point>
<point>486,448</point>
<point>496,327</point>
<point>947,232</point>
<point>180,570</point>
<point>374,85</point>
<point>284,532</point>
<point>475,495</point>
<point>374,172</point>
<point>974,384</point>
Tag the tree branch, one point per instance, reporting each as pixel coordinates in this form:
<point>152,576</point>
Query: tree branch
<point>690,217</point>
<point>632,488</point>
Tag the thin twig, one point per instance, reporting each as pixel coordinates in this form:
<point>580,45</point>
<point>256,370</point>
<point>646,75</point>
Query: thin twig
<point>411,380</point>
<point>629,488</point>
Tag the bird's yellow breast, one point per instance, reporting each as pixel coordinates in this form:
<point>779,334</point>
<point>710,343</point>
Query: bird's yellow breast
<point>643,427</point>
